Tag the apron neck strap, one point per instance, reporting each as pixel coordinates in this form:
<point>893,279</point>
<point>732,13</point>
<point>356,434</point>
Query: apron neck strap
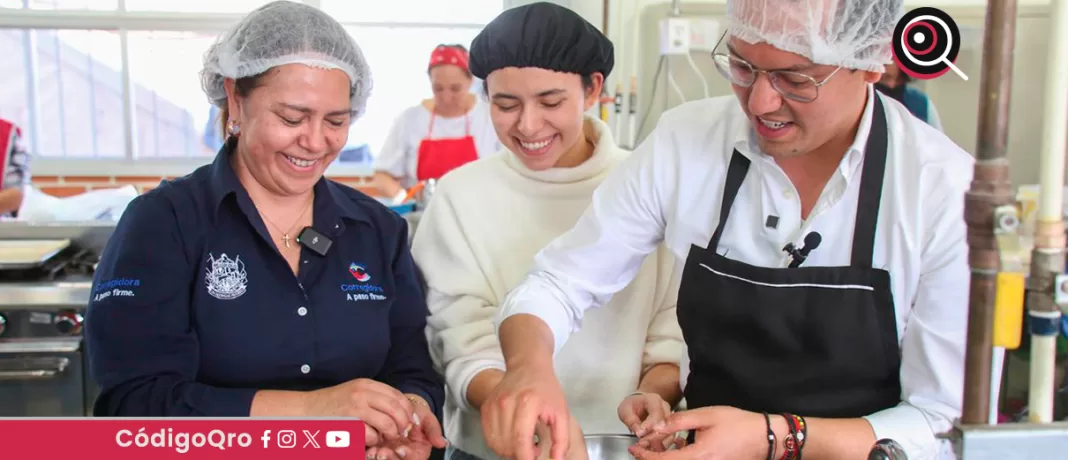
<point>736,172</point>
<point>871,187</point>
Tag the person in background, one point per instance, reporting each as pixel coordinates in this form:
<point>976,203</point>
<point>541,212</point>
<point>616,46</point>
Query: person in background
<point>14,169</point>
<point>797,348</point>
<point>544,67</point>
<point>226,310</point>
<point>439,134</point>
<point>896,84</point>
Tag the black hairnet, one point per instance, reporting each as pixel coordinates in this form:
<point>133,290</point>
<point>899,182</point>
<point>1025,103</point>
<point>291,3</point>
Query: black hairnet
<point>542,35</point>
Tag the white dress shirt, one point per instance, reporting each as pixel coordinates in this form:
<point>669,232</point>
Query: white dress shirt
<point>671,188</point>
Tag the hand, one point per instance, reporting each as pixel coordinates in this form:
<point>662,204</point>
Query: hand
<point>577,449</point>
<point>419,442</point>
<point>388,414</point>
<point>415,447</point>
<point>526,395</point>
<point>644,413</point>
<point>720,432</point>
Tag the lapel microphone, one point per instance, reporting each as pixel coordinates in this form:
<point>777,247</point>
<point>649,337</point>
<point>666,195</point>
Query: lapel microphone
<point>314,240</point>
<point>812,241</point>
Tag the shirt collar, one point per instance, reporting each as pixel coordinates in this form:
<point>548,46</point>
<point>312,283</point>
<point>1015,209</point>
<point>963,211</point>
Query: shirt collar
<point>331,205</point>
<point>744,139</point>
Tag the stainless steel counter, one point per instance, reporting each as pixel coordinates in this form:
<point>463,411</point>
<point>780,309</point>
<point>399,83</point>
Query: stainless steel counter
<point>46,295</point>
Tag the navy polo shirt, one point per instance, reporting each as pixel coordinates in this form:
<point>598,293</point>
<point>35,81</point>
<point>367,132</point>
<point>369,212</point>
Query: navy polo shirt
<point>193,309</point>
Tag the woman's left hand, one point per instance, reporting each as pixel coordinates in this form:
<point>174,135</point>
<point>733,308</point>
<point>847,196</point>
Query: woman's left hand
<point>424,436</point>
<point>643,413</point>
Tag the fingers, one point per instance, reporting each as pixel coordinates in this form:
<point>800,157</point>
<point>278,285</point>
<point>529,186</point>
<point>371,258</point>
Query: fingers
<point>656,415</point>
<point>497,416</point>
<point>389,406</point>
<point>683,421</point>
<point>561,427</point>
<point>382,453</point>
<point>655,442</point>
<point>522,436</point>
<point>628,413</point>
<point>541,446</point>
<point>370,435</point>
<point>431,429</point>
<point>389,392</point>
<point>385,425</point>
<point>688,452</point>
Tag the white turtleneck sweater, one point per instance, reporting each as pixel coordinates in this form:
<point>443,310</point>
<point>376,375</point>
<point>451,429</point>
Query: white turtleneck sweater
<point>477,240</point>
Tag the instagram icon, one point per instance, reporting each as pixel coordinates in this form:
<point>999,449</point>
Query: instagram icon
<point>287,439</point>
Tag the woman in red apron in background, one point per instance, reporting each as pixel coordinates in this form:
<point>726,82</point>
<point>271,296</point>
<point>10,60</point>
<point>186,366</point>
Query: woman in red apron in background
<point>440,134</point>
<point>14,169</point>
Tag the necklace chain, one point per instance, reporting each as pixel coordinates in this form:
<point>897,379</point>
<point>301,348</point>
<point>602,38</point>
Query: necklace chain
<point>285,234</point>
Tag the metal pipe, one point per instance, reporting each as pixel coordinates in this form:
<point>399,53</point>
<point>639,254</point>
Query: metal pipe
<point>1047,260</point>
<point>990,188</point>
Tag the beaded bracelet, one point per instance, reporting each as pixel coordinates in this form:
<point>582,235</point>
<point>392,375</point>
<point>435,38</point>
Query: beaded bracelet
<point>795,440</point>
<point>803,437</point>
<point>771,437</point>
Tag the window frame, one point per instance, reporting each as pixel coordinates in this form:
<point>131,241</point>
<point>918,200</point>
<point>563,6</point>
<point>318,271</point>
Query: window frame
<point>123,22</point>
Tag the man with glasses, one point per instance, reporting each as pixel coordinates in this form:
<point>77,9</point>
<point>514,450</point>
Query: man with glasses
<point>821,232</point>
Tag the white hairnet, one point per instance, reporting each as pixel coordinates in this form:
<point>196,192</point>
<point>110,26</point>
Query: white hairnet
<point>855,34</point>
<point>282,33</point>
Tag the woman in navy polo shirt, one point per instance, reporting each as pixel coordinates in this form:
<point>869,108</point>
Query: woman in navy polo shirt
<point>256,287</point>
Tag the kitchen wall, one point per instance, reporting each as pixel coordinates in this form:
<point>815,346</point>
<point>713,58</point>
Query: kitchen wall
<point>956,100</point>
<point>64,186</point>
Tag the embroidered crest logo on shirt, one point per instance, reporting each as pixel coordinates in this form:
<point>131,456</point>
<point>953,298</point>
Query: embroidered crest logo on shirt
<point>359,273</point>
<point>226,278</point>
<point>362,289</point>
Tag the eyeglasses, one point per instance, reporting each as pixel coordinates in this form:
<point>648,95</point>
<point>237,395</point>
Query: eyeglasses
<point>792,85</point>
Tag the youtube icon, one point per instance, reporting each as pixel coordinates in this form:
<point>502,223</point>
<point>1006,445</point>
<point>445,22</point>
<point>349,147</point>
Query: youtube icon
<point>337,439</point>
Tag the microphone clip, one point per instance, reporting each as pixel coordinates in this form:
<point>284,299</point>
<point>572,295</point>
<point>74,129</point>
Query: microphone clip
<point>797,256</point>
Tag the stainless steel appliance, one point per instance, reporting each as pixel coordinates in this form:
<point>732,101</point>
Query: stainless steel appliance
<point>43,297</point>
<point>609,446</point>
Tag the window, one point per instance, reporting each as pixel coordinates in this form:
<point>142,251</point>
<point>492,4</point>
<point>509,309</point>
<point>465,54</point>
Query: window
<point>97,5</point>
<point>172,112</point>
<point>414,11</point>
<point>71,88</point>
<point>195,6</point>
<point>77,84</point>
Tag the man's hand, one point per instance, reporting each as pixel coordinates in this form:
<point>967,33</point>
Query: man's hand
<point>644,414</point>
<point>528,394</point>
<point>720,432</point>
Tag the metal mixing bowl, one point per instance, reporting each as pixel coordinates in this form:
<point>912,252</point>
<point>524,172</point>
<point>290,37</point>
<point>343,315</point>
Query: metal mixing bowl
<point>609,446</point>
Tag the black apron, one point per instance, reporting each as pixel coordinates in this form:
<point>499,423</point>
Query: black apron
<point>812,341</point>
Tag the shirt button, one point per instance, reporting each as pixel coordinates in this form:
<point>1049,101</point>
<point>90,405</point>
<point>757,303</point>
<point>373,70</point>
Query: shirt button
<point>305,369</point>
<point>788,195</point>
<point>302,311</point>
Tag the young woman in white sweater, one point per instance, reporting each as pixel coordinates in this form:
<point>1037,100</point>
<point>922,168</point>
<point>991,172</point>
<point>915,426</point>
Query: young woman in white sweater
<point>544,67</point>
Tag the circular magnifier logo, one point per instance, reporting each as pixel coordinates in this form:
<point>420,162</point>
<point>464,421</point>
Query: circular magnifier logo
<point>926,44</point>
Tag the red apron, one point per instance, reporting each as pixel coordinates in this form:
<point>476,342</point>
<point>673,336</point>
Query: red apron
<point>439,156</point>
